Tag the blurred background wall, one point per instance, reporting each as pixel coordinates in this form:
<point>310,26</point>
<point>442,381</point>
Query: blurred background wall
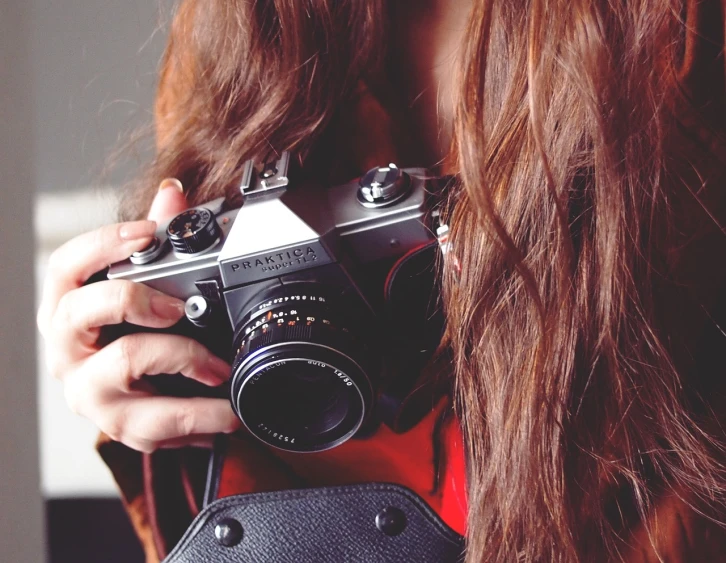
<point>21,516</point>
<point>77,77</point>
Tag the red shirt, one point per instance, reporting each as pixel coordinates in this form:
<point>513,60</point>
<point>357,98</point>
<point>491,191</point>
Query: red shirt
<point>407,459</point>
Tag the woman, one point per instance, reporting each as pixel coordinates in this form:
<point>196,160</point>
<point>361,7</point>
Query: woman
<point>583,321</point>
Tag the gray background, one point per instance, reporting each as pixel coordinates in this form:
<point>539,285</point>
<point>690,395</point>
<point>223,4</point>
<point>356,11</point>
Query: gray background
<point>21,517</point>
<point>75,75</point>
<point>94,69</point>
<point>93,75</point>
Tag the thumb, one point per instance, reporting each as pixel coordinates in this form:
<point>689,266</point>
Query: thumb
<point>169,201</point>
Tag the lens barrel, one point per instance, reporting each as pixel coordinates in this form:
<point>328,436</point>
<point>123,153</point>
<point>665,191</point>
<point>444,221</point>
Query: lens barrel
<point>299,378</point>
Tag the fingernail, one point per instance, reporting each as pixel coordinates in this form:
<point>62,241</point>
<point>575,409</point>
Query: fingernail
<point>137,230</point>
<point>171,183</point>
<point>166,307</point>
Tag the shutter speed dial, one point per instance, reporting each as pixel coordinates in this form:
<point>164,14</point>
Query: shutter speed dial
<point>193,231</point>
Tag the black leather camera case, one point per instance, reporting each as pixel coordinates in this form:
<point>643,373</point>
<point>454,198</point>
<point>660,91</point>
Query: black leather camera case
<point>368,523</point>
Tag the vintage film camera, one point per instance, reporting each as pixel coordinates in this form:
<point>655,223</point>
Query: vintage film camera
<point>277,287</point>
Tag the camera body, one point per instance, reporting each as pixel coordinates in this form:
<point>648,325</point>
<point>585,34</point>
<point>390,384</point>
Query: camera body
<point>278,286</point>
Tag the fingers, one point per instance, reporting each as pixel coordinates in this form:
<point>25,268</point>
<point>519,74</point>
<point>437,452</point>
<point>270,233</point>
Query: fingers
<point>116,367</point>
<point>169,201</point>
<point>150,423</point>
<point>105,384</point>
<point>104,389</point>
<point>78,259</point>
<point>81,313</point>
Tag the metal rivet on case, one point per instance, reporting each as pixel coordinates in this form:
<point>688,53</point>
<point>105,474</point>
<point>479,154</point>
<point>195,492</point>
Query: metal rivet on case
<point>228,532</point>
<point>391,521</point>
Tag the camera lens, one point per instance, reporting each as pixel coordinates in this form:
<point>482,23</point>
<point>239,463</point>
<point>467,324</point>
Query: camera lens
<point>299,380</point>
<point>308,398</point>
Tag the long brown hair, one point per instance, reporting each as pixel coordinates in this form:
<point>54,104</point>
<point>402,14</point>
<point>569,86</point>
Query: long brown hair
<point>572,325</point>
<point>248,79</point>
<point>571,401</point>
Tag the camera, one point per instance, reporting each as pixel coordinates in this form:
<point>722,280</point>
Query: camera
<point>279,286</point>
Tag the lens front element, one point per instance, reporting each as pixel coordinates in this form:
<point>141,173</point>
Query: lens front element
<point>298,383</point>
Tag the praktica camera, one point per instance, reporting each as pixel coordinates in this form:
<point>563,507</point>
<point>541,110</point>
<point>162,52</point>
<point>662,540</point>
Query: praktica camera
<point>278,287</point>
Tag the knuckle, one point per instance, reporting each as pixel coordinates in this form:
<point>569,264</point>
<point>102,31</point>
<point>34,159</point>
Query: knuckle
<point>56,364</point>
<point>130,436</point>
<point>128,296</point>
<point>148,446</point>
<point>56,372</point>
<point>114,426</point>
<point>63,316</point>
<point>73,399</point>
<point>190,348</point>
<point>136,433</point>
<point>124,358</point>
<point>185,420</point>
<point>55,368</point>
<point>143,446</point>
<point>196,353</point>
<point>85,397</point>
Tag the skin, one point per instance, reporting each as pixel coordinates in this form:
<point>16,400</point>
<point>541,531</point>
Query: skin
<point>103,383</point>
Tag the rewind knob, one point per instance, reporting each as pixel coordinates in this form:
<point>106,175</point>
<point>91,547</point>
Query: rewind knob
<point>193,231</point>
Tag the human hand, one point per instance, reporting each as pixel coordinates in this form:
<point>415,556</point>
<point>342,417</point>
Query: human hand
<point>103,382</point>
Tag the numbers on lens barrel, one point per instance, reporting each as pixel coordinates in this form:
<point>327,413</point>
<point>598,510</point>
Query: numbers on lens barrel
<point>348,382</point>
<point>276,435</point>
<point>285,299</point>
<point>280,318</point>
